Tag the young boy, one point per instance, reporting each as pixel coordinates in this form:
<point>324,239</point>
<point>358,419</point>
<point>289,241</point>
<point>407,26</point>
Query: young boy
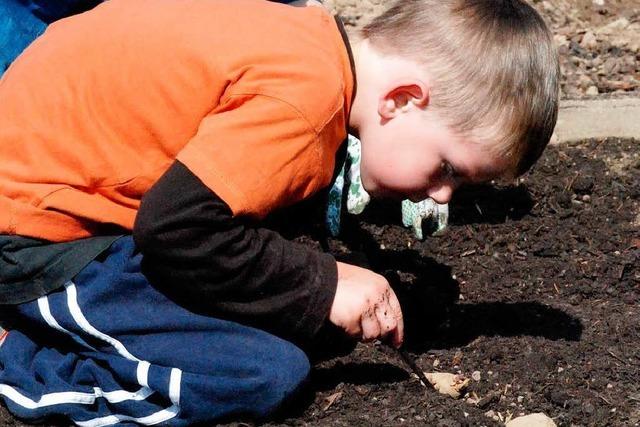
<point>142,143</point>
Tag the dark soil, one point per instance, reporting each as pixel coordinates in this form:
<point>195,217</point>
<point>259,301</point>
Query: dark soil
<point>535,285</point>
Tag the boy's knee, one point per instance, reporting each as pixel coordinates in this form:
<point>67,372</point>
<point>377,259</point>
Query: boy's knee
<point>281,376</point>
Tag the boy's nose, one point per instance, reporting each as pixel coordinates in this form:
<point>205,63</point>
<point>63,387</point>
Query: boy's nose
<point>441,194</point>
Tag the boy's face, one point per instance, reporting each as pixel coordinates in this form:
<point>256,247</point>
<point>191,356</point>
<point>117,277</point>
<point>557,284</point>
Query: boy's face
<point>415,156</point>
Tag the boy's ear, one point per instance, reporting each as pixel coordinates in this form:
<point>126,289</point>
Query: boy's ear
<point>398,97</point>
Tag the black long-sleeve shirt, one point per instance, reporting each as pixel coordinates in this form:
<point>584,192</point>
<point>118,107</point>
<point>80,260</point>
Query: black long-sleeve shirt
<point>197,253</point>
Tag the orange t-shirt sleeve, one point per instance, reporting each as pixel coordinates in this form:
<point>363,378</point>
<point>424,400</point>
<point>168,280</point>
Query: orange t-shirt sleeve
<point>257,153</point>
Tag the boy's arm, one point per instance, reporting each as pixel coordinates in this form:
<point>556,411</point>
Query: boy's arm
<point>198,254</point>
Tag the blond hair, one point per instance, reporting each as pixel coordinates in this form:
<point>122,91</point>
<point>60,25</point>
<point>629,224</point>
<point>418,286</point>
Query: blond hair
<point>493,63</point>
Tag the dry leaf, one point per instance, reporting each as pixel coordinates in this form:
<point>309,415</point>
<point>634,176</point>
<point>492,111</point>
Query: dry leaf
<point>450,384</point>
<point>329,401</point>
<point>532,420</point>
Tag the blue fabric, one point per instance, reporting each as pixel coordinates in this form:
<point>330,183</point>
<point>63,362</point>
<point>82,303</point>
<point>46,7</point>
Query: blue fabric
<point>18,27</point>
<point>108,348</point>
<point>21,21</point>
<point>49,11</point>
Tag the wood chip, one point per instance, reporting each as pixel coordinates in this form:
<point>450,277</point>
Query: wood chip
<point>329,401</point>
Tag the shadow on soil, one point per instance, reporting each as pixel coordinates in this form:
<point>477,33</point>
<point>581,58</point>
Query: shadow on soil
<point>472,204</point>
<point>429,298</point>
<point>433,317</point>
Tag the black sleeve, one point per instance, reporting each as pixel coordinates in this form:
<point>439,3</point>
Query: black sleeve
<point>212,263</point>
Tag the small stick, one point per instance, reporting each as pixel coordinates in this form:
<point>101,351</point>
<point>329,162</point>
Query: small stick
<point>414,368</point>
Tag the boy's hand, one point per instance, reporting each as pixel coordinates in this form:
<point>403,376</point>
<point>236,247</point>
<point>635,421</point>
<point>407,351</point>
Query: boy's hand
<point>365,306</point>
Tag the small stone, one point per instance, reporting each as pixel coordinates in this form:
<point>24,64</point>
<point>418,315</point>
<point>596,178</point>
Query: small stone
<point>611,66</point>
<point>589,40</point>
<point>584,81</point>
<point>592,91</point>
<point>561,40</point>
<point>532,420</point>
<point>520,399</point>
<point>476,376</point>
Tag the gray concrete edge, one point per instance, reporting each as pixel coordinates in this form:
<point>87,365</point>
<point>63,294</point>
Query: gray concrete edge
<point>598,118</point>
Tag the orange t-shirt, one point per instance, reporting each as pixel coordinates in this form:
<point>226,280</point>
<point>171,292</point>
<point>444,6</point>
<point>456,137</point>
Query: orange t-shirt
<point>252,96</point>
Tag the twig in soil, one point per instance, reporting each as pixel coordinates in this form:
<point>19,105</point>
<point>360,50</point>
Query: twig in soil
<point>485,266</point>
<point>604,399</point>
<point>618,358</point>
<point>414,368</point>
<point>573,180</point>
<point>544,387</point>
<point>467,253</point>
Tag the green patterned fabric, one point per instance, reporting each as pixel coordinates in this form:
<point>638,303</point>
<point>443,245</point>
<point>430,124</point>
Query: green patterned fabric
<point>415,214</point>
<point>348,183</point>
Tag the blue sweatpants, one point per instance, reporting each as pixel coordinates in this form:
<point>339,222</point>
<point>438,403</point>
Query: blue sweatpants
<point>109,349</point>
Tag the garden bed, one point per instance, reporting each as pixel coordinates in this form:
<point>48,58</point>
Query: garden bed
<point>535,287</point>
